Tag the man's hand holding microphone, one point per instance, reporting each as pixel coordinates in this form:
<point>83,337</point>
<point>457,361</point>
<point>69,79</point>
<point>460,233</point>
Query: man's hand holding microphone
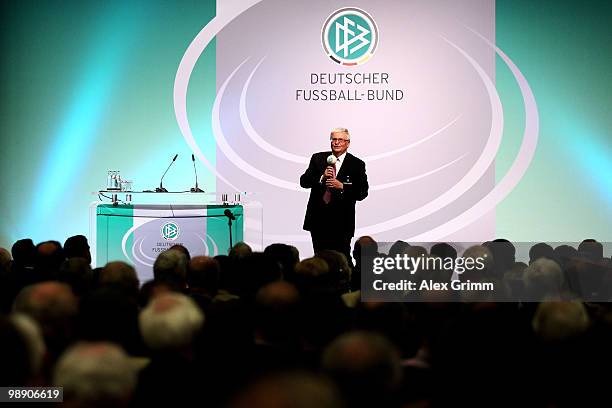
<point>329,176</point>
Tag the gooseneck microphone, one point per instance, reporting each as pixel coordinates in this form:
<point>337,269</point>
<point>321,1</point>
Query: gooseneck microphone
<point>161,188</point>
<point>195,189</point>
<point>229,214</point>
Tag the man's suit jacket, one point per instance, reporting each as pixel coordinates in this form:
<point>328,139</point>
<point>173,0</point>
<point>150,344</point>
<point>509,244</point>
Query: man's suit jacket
<point>339,214</point>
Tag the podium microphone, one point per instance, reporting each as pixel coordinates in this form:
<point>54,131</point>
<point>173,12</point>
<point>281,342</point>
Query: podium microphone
<point>161,188</point>
<point>195,189</point>
<point>230,217</point>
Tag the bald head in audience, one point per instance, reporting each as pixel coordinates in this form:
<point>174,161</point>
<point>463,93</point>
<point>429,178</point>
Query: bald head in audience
<point>557,321</point>
<point>364,244</point>
<point>49,257</point>
<point>48,303</point>
<point>277,313</point>
<point>365,366</point>
<point>95,375</point>
<point>170,322</point>
<point>204,273</point>
<point>54,307</point>
<point>294,389</point>
<point>120,274</point>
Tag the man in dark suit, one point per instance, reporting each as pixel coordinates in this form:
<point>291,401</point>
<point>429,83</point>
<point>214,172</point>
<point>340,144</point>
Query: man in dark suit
<point>334,189</point>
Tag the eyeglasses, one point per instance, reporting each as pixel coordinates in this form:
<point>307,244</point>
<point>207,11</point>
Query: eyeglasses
<point>337,140</point>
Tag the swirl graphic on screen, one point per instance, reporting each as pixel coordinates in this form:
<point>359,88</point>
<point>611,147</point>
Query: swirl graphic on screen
<point>243,74</point>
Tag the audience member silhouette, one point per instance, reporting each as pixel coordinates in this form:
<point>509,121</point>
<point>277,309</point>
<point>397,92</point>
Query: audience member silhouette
<point>272,321</point>
<point>170,325</point>
<point>170,267</point>
<point>366,367</point>
<point>77,247</point>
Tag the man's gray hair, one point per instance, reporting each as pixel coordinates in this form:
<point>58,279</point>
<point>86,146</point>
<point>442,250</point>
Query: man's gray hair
<point>170,321</point>
<point>556,321</point>
<point>340,130</point>
<point>482,252</point>
<point>32,334</point>
<point>48,303</point>
<point>95,374</point>
<point>544,278</point>
<point>170,265</point>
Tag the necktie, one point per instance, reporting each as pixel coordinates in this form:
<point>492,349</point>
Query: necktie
<point>327,194</point>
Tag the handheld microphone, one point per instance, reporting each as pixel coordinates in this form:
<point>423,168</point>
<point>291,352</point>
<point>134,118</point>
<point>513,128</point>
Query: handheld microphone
<point>331,161</point>
<point>229,214</point>
<point>161,188</point>
<point>195,189</point>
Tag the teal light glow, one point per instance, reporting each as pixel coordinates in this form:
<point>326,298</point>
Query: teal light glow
<point>595,158</point>
<point>71,146</point>
<point>87,87</point>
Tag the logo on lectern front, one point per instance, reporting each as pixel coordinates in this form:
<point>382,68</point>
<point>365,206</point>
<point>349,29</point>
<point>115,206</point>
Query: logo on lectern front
<point>170,231</point>
<point>349,36</point>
